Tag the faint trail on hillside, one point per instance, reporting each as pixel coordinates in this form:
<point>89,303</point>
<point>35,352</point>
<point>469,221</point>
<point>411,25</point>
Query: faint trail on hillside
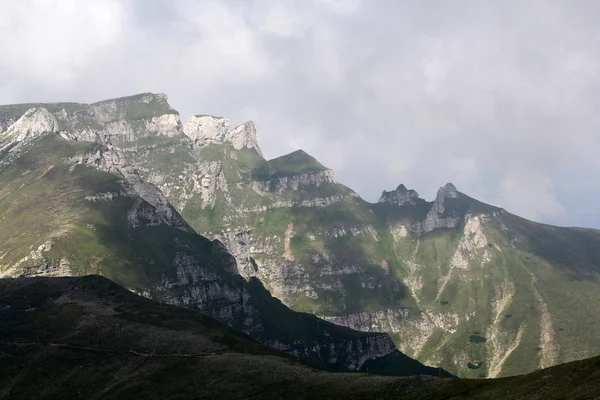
<point>129,351</point>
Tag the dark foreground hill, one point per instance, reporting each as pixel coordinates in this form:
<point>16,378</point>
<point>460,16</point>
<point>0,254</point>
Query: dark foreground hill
<point>88,338</point>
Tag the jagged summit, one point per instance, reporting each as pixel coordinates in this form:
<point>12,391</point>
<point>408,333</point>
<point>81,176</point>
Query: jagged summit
<point>207,129</point>
<point>456,282</point>
<point>448,190</point>
<point>401,196</point>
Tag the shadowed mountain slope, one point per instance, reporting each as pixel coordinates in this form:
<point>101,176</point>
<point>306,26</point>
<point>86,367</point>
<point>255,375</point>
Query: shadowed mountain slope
<point>88,338</point>
<point>75,207</point>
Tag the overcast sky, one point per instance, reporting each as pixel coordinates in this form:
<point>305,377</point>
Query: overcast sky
<point>500,98</point>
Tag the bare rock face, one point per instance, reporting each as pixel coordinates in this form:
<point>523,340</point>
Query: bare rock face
<point>166,124</point>
<point>401,196</point>
<point>294,182</point>
<point>206,129</point>
<point>33,123</point>
<point>114,161</point>
<point>436,217</point>
<point>244,136</point>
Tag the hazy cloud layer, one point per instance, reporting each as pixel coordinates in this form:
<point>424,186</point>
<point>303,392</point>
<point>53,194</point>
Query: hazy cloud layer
<point>500,98</point>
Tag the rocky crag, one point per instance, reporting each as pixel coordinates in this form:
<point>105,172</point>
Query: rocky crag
<point>455,282</point>
<point>73,202</point>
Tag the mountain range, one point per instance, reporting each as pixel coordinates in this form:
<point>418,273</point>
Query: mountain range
<point>192,214</point>
<point>73,207</point>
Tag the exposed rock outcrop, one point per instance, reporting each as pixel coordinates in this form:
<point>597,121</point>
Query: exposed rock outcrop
<point>294,182</point>
<point>399,197</point>
<point>33,123</point>
<point>206,129</point>
<point>183,270</point>
<point>107,158</point>
<point>437,217</point>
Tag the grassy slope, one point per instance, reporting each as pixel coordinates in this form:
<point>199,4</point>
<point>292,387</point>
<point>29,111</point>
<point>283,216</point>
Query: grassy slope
<point>297,162</point>
<point>529,268</point>
<point>556,265</point>
<point>369,253</point>
<point>43,197</point>
<point>83,338</point>
<point>537,269</point>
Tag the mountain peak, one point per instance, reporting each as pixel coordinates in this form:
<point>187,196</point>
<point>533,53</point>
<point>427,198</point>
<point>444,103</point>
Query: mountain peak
<point>299,158</point>
<point>295,163</point>
<point>207,129</point>
<point>244,135</point>
<point>401,196</point>
<point>447,191</point>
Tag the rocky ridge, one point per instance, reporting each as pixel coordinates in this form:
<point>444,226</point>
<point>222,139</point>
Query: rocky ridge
<point>400,196</point>
<point>199,274</point>
<point>205,129</point>
<point>425,272</point>
<point>455,282</point>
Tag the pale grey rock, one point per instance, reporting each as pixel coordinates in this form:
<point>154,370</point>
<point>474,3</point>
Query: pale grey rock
<point>341,231</point>
<point>244,136</point>
<point>114,161</point>
<point>108,196</point>
<point>294,182</point>
<point>399,197</point>
<point>193,284</point>
<point>206,129</point>
<point>436,217</point>
<point>35,122</point>
<point>165,125</point>
<point>399,231</point>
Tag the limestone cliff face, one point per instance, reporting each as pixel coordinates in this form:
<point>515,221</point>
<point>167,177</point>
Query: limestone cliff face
<point>206,129</point>
<point>114,161</point>
<point>400,196</point>
<point>405,266</point>
<point>453,281</point>
<point>124,132</point>
<point>295,182</point>
<point>438,217</point>
<point>34,122</point>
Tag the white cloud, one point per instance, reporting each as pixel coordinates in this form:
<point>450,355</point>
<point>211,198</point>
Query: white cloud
<point>45,41</point>
<point>340,6</point>
<point>530,193</point>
